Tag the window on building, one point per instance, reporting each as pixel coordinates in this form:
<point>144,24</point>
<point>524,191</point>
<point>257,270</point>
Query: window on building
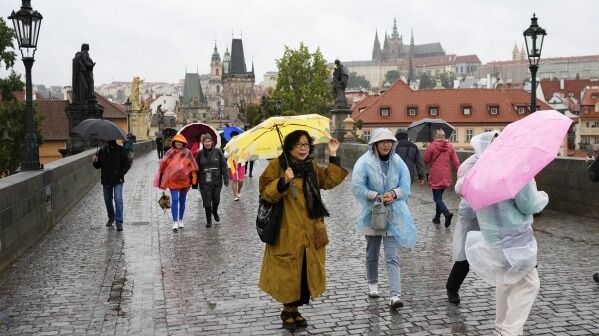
<point>217,72</point>
<point>593,96</point>
<point>466,110</point>
<point>454,136</point>
<point>469,135</point>
<point>433,110</point>
<point>494,109</point>
<point>488,130</point>
<point>586,140</point>
<point>361,109</point>
<point>366,135</point>
<point>218,89</point>
<point>521,109</point>
<point>385,111</point>
<point>412,110</point>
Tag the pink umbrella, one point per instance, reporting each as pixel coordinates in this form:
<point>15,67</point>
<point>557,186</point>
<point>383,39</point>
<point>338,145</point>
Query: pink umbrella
<point>519,153</point>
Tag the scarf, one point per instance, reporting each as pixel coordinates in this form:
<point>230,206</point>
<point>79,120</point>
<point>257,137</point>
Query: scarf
<point>305,170</point>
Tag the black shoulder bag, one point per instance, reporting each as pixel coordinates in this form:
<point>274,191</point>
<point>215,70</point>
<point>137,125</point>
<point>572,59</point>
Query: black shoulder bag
<point>268,220</point>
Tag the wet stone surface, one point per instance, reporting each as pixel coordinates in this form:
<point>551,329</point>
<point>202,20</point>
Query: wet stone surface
<point>85,279</point>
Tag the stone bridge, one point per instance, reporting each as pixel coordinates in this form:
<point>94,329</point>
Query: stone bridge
<point>85,279</point>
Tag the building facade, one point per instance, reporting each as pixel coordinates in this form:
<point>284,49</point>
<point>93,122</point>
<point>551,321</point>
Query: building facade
<point>238,84</point>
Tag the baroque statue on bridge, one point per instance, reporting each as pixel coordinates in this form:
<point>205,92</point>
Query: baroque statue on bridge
<point>338,86</point>
<point>83,77</point>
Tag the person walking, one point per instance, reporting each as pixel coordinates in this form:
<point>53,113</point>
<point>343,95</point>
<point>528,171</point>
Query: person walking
<point>504,253</point>
<point>409,153</point>
<point>177,172</point>
<point>381,184</point>
<point>293,268</point>
<point>440,156</point>
<point>128,145</point>
<point>113,163</point>
<point>159,147</point>
<point>249,165</point>
<point>466,220</point>
<point>213,173</point>
<point>236,177</point>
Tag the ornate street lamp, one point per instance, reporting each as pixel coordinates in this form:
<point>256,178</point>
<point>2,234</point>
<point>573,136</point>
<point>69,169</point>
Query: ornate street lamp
<point>127,110</point>
<point>533,37</point>
<point>27,28</point>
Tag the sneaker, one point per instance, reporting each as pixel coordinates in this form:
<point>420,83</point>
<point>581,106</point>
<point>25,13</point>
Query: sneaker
<point>373,290</point>
<point>110,222</point>
<point>175,226</point>
<point>437,219</point>
<point>448,219</point>
<point>236,198</point>
<point>181,225</point>
<point>119,228</point>
<point>453,297</point>
<point>395,302</point>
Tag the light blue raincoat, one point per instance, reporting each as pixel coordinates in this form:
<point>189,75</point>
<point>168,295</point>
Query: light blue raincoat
<point>369,179</point>
<point>505,249</point>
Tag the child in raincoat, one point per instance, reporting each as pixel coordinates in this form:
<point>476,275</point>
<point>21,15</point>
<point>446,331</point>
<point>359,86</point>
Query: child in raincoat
<point>504,253</point>
<point>380,177</point>
<point>466,219</point>
<point>177,172</point>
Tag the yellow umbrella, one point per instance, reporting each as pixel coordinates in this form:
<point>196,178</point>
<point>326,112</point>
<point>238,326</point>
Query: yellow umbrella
<point>265,140</point>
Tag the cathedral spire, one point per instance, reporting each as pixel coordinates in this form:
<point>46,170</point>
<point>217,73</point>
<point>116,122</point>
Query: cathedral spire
<point>395,34</point>
<point>215,54</point>
<point>376,49</point>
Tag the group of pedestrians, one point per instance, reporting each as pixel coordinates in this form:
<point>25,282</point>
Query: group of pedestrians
<point>497,241</point>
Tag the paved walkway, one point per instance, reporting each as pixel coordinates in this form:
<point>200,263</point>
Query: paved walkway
<point>85,279</point>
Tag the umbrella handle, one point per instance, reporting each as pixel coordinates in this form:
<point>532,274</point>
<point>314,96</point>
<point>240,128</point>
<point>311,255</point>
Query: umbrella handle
<point>292,187</point>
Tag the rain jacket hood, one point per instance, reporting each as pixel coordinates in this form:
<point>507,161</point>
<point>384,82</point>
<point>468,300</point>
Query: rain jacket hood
<point>180,138</point>
<point>402,134</point>
<point>380,134</point>
<point>480,143</point>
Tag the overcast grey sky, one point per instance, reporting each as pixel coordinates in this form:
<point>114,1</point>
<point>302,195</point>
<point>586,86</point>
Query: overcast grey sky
<point>157,40</point>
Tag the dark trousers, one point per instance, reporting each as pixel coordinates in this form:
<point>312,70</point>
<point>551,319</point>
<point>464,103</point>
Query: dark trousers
<point>458,273</point>
<point>251,167</point>
<point>160,151</point>
<point>440,207</point>
<point>304,289</point>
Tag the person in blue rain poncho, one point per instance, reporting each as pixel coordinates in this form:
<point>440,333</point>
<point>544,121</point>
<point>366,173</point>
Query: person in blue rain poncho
<point>466,219</point>
<point>381,184</point>
<point>504,253</point>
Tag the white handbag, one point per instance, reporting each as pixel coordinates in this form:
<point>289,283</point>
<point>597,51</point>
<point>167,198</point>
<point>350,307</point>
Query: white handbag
<point>379,220</point>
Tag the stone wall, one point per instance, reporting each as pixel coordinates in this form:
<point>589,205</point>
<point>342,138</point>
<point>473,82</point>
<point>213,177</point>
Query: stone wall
<point>565,180</point>
<point>32,202</point>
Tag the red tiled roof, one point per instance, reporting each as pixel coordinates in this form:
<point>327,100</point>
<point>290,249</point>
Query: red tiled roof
<point>449,103</point>
<point>111,110</point>
<point>587,99</point>
<point>467,59</point>
<point>574,86</point>
<point>55,125</point>
<point>20,95</point>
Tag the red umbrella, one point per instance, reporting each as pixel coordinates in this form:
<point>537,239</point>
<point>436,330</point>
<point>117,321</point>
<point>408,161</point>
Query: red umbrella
<point>193,132</point>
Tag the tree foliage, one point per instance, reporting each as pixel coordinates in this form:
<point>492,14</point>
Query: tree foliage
<point>12,112</point>
<point>391,76</point>
<point>447,79</point>
<point>358,82</point>
<point>426,82</point>
<point>303,82</point>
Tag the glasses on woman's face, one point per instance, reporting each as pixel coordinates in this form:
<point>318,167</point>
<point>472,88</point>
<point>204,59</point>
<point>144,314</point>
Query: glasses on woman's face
<point>302,145</point>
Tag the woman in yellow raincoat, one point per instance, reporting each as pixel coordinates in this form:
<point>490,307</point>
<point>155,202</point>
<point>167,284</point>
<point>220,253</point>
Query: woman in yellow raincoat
<point>293,267</point>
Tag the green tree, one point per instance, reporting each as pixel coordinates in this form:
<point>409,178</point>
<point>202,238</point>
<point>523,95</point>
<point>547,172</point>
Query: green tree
<point>303,82</point>
<point>447,79</point>
<point>426,82</point>
<point>356,81</point>
<point>391,76</point>
<point>12,112</point>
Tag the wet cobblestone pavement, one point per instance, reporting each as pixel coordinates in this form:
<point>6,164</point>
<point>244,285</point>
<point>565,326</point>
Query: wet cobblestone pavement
<point>85,279</point>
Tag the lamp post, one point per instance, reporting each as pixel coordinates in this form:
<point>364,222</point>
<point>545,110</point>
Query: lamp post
<point>27,28</point>
<point>278,106</point>
<point>533,49</point>
<point>127,110</point>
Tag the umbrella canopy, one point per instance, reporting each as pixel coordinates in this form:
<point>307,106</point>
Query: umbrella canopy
<point>264,141</point>
<point>422,130</point>
<point>519,153</point>
<point>169,132</point>
<point>227,132</point>
<point>98,129</point>
<point>192,132</point>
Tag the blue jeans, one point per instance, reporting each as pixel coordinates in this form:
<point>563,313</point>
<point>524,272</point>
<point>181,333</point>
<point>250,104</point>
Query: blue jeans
<point>373,248</point>
<point>116,193</point>
<point>178,197</point>
<point>440,207</point>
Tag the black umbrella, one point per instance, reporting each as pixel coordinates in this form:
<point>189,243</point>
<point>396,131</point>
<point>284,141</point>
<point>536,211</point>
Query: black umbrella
<point>169,132</point>
<point>423,130</point>
<point>98,129</point>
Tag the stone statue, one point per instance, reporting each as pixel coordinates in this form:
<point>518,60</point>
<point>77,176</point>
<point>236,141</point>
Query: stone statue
<point>135,98</point>
<point>338,86</point>
<point>83,77</point>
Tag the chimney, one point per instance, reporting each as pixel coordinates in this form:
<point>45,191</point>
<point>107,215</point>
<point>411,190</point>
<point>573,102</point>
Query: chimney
<point>561,84</point>
<point>65,92</point>
<point>488,81</point>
